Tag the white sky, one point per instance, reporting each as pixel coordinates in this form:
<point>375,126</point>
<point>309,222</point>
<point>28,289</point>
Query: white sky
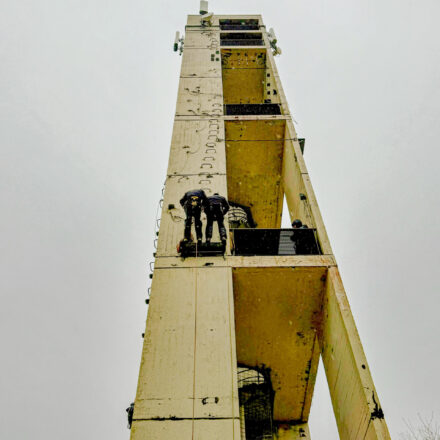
<point>87,97</point>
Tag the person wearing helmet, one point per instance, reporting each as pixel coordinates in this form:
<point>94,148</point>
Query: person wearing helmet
<point>216,208</point>
<point>130,411</point>
<point>296,224</point>
<point>192,203</point>
<point>299,240</point>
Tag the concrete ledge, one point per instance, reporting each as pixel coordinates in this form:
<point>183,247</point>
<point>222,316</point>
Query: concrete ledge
<point>234,261</point>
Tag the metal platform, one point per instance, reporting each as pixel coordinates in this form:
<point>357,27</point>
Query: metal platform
<point>192,249</point>
<point>251,241</point>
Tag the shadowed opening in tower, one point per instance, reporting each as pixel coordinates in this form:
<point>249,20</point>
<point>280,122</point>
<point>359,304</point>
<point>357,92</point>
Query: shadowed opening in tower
<point>254,161</point>
<point>277,319</point>
<point>248,79</point>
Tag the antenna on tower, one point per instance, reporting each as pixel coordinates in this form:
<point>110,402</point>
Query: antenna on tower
<point>206,19</point>
<point>178,43</point>
<point>273,42</point>
<point>203,7</point>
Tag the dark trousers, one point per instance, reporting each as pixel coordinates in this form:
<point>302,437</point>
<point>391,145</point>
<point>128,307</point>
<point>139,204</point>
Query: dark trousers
<point>214,213</point>
<point>193,211</point>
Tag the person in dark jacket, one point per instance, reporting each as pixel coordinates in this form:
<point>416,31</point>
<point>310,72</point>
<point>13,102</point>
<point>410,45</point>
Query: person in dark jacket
<point>301,241</point>
<point>193,201</point>
<point>216,208</point>
<point>130,411</point>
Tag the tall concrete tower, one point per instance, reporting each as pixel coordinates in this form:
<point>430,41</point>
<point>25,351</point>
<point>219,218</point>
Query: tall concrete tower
<point>233,340</point>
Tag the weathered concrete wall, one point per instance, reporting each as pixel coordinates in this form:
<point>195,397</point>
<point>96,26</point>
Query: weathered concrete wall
<point>288,308</point>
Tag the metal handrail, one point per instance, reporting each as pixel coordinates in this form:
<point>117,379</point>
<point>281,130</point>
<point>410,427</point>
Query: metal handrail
<point>258,241</point>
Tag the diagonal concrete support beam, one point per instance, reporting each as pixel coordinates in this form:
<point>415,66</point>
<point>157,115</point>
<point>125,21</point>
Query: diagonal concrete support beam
<point>355,402</point>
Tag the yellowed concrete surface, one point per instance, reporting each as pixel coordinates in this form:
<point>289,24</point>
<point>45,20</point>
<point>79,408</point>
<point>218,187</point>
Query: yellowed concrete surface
<point>217,429</point>
<point>296,182</point>
<point>197,147</point>
<point>355,401</point>
<point>166,377</point>
<point>244,86</point>
<point>213,429</point>
<point>216,362</point>
<point>244,73</point>
<point>188,367</point>
<point>239,261</point>
<point>254,179</point>
<point>254,157</point>
<point>276,78</point>
<point>200,97</point>
<point>271,86</point>
<point>293,184</point>
<point>295,432</point>
<point>202,39</point>
<point>198,63</point>
<point>277,316</point>
<point>162,430</point>
<point>253,129</point>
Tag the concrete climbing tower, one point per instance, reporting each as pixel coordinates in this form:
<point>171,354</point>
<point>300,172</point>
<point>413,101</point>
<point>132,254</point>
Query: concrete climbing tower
<point>232,341</point>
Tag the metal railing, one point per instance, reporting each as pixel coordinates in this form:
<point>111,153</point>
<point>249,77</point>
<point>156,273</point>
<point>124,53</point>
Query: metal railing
<point>250,42</point>
<point>239,27</point>
<point>234,24</point>
<point>252,109</point>
<point>250,242</point>
<point>241,39</point>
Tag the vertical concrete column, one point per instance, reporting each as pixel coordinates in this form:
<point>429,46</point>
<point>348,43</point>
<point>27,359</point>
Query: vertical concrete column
<point>188,370</point>
<point>187,387</point>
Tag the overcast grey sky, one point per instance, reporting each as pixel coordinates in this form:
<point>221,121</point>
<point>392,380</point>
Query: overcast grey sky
<point>87,97</point>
